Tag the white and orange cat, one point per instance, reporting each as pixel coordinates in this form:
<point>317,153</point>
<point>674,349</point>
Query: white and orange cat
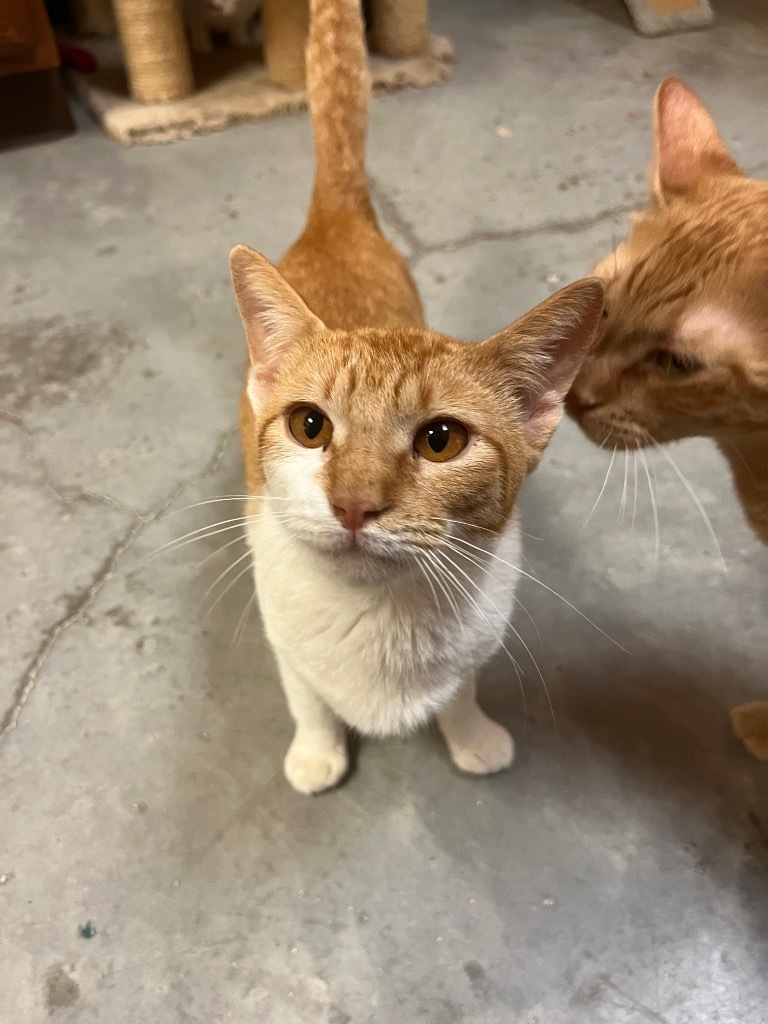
<point>683,349</point>
<point>384,460</point>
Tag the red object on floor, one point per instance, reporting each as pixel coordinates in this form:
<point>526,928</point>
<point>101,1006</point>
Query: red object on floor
<point>75,58</point>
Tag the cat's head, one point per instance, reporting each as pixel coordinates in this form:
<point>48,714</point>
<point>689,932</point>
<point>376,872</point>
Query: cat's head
<point>683,345</point>
<point>380,443</point>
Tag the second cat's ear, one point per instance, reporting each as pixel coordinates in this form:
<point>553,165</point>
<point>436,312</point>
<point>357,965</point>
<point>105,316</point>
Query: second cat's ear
<point>687,144</point>
<point>274,316</point>
<point>542,352</point>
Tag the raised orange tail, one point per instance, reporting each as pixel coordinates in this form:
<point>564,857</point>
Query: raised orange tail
<point>338,87</point>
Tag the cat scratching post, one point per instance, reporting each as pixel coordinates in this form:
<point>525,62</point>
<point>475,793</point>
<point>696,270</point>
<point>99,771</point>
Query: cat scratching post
<point>155,48</point>
<point>235,86</point>
<point>657,17</point>
<point>285,29</point>
<point>400,27</point>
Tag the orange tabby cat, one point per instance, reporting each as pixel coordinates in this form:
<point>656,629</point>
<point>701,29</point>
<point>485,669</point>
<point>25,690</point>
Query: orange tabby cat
<point>384,460</point>
<point>683,349</point>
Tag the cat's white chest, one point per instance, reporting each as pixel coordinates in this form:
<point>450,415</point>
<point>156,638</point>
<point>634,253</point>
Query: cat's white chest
<point>385,655</point>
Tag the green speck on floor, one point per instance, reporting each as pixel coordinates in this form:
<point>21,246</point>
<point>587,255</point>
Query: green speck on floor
<point>87,931</point>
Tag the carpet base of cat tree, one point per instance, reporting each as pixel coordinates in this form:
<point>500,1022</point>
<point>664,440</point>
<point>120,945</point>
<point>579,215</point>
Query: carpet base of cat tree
<point>232,88</point>
<point>660,17</point>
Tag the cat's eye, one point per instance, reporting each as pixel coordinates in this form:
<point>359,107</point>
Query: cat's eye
<point>672,363</point>
<point>310,427</point>
<point>441,440</point>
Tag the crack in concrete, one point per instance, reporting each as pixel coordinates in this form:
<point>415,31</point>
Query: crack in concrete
<point>67,494</point>
<point>392,216</point>
<point>564,227</point>
<point>419,249</point>
<point>30,676</point>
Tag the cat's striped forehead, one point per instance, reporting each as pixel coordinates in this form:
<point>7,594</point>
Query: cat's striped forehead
<point>397,373</point>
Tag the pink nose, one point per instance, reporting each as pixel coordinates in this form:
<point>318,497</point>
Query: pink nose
<point>353,515</point>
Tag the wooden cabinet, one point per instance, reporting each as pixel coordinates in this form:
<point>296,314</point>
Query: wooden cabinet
<point>33,105</point>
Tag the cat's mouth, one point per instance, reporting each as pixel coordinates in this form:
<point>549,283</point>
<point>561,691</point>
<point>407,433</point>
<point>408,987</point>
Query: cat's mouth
<point>607,432</point>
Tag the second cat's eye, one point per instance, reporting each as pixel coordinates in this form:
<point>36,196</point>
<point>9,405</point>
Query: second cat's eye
<point>441,440</point>
<point>672,363</point>
<point>310,427</point>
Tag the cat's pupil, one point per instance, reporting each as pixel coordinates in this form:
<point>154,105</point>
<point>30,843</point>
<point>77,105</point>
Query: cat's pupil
<point>437,436</point>
<point>313,424</point>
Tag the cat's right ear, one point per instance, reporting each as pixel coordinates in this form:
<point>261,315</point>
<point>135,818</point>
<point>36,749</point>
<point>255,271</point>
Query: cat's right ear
<point>687,144</point>
<point>274,316</point>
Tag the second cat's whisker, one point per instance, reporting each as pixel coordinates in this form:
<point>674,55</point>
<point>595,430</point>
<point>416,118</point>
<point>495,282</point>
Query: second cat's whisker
<point>623,504</point>
<point>602,489</point>
<point>697,502</point>
<point>653,505</point>
<point>634,492</point>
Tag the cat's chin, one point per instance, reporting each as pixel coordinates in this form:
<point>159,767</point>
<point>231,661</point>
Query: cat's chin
<point>365,556</point>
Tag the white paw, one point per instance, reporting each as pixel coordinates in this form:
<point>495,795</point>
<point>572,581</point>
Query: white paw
<point>485,748</point>
<point>311,769</point>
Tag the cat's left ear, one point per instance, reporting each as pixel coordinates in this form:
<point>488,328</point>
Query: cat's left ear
<point>687,144</point>
<point>542,352</point>
<point>274,316</point>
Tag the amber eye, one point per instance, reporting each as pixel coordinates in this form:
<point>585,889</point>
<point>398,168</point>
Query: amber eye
<point>441,440</point>
<point>672,364</point>
<point>310,427</point>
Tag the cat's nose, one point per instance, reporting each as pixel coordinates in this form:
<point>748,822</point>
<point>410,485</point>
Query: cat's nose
<point>353,515</point>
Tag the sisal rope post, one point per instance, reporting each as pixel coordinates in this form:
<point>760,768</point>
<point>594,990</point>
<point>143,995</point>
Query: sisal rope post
<point>155,48</point>
<point>400,27</point>
<point>285,26</point>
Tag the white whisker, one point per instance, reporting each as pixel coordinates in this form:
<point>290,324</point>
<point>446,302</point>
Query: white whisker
<point>218,550</point>
<point>560,597</point>
<point>210,531</point>
<point>623,504</point>
<point>653,505</point>
<point>228,587</point>
<point>510,626</point>
<point>457,583</point>
<point>476,561</point>
<point>697,501</point>
<point>237,636</point>
<point>602,489</point>
<point>226,572</point>
<point>634,492</point>
<point>450,597</point>
<point>228,497</point>
<point>430,584</point>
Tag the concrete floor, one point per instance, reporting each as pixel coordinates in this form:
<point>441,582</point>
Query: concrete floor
<point>617,873</point>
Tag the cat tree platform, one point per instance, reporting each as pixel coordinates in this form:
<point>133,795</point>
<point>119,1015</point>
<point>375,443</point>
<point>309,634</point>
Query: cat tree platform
<point>148,89</point>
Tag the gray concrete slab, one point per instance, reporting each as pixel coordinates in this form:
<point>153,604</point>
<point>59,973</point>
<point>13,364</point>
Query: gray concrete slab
<point>617,874</point>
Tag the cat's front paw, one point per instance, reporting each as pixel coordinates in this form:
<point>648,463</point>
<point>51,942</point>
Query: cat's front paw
<point>313,768</point>
<point>483,748</point>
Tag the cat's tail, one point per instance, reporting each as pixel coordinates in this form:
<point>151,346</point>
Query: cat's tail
<point>338,88</point>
